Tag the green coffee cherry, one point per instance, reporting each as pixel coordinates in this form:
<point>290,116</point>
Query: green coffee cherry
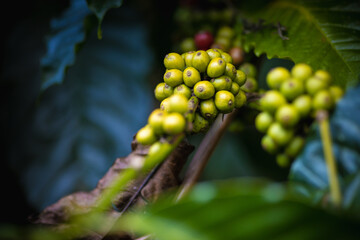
<point>174,61</point>
<point>188,44</point>
<point>240,77</point>
<point>156,119</point>
<point>250,85</point>
<point>294,147</point>
<point>204,90</point>
<point>178,103</point>
<point>240,99</point>
<point>159,91</point>
<point>323,100</point>
<point>173,77</point>
<point>280,134</point>
<point>292,88</point>
<point>263,121</point>
<point>324,76</point>
<point>272,100</point>
<point>192,106</point>
<point>188,58</point>
<point>221,83</point>
<point>224,101</point>
<point>200,61</point>
<point>235,88</point>
<point>146,135</point>
<point>226,57</point>
<point>301,71</point>
<point>282,160</point>
<point>314,85</point>
<point>336,93</point>
<point>216,67</point>
<point>191,76</point>
<point>287,115</point>
<point>249,69</point>
<point>208,109</point>
<point>168,90</point>
<point>303,105</point>
<point>224,43</point>
<point>268,144</point>
<point>226,32</point>
<point>184,90</point>
<point>200,124</point>
<point>155,148</point>
<point>174,123</point>
<point>165,105</point>
<point>230,70</point>
<point>213,53</point>
<point>277,76</point>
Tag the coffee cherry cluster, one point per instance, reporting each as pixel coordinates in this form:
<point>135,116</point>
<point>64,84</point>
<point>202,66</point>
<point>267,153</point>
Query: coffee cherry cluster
<point>197,87</point>
<point>290,106</point>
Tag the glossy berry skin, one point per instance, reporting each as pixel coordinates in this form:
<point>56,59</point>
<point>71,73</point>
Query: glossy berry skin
<point>230,70</point>
<point>240,99</point>
<point>272,100</point>
<point>200,61</point>
<point>269,145</point>
<point>156,119</point>
<point>263,121</point>
<point>178,103</point>
<point>213,53</point>
<point>323,100</point>
<point>294,147</point>
<point>226,57</point>
<point>208,109</point>
<point>224,101</point>
<point>164,105</point>
<point>191,76</point>
<point>280,134</point>
<point>301,71</point>
<point>216,67</point>
<point>204,90</point>
<point>314,85</point>
<point>159,92</point>
<point>168,90</point>
<point>240,77</point>
<point>287,115</point>
<point>184,90</point>
<point>250,85</point>
<point>203,40</point>
<point>188,56</point>
<point>277,76</point>
<point>292,88</point>
<point>146,136</point>
<point>173,77</point>
<point>200,124</point>
<point>238,55</point>
<point>221,83</point>
<point>174,61</point>
<point>249,69</point>
<point>303,105</point>
<point>336,93</point>
<point>324,76</point>
<point>235,88</point>
<point>282,160</point>
<point>155,148</point>
<point>174,123</point>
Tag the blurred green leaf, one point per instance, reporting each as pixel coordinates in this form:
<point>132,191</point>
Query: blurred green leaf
<point>324,34</point>
<point>310,167</point>
<point>67,32</point>
<point>238,209</point>
<point>100,7</point>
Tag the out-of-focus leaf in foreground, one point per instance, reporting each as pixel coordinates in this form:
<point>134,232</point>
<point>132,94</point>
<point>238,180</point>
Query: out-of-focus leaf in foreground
<point>238,209</point>
<point>310,167</point>
<point>323,34</point>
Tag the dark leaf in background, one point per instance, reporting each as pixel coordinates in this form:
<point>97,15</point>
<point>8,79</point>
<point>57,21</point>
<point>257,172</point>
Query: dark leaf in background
<point>310,167</point>
<point>323,34</point>
<point>67,32</point>
<point>238,209</point>
<point>78,128</point>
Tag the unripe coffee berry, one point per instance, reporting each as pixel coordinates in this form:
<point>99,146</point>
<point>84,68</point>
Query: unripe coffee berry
<point>213,53</point>
<point>250,85</point>
<point>287,115</point>
<point>188,58</point>
<point>184,90</point>
<point>225,31</point>
<point>221,83</point>
<point>282,160</point>
<point>249,69</point>
<point>263,121</point>
<point>272,100</point>
<point>294,147</point>
<point>208,109</point>
<point>146,136</point>
<point>188,44</point>
<point>292,88</point>
<point>301,71</point>
<point>174,123</point>
<point>280,134</point>
<point>191,76</point>
<point>173,77</point>
<point>226,57</point>
<point>240,99</point>
<point>336,93</point>
<point>268,144</point>
<point>178,103</point>
<point>277,76</point>
<point>240,77</point>
<point>164,105</point>
<point>324,76</point>
<point>174,61</point>
<point>200,124</point>
<point>156,119</point>
<point>230,70</point>
<point>314,85</point>
<point>200,61</point>
<point>216,67</point>
<point>235,88</point>
<point>159,91</point>
<point>303,105</point>
<point>323,100</point>
<point>204,90</point>
<point>224,101</point>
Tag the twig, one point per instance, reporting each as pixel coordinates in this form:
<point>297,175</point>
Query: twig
<point>203,153</point>
<point>323,119</point>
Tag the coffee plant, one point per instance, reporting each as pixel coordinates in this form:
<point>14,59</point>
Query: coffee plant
<point>271,84</point>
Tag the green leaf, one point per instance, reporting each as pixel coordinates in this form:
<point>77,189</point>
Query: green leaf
<point>67,33</point>
<point>310,168</point>
<point>238,209</point>
<point>324,34</point>
<point>100,7</point>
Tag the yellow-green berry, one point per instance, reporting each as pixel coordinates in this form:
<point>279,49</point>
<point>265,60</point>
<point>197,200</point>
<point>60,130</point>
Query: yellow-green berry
<point>303,105</point>
<point>146,136</point>
<point>277,76</point>
<point>174,61</point>
<point>204,90</point>
<point>235,88</point>
<point>224,101</point>
<point>191,76</point>
<point>200,60</point>
<point>178,103</point>
<point>272,100</point>
<point>323,100</point>
<point>301,71</point>
<point>287,115</point>
<point>221,83</point>
<point>174,123</point>
<point>184,90</point>
<point>156,119</point>
<point>280,134</point>
<point>216,67</point>
<point>240,77</point>
<point>173,77</point>
<point>208,109</point>
<point>240,99</point>
<point>263,121</point>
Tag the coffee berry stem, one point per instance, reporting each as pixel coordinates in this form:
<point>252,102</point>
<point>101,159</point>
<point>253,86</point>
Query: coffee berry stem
<point>322,117</point>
